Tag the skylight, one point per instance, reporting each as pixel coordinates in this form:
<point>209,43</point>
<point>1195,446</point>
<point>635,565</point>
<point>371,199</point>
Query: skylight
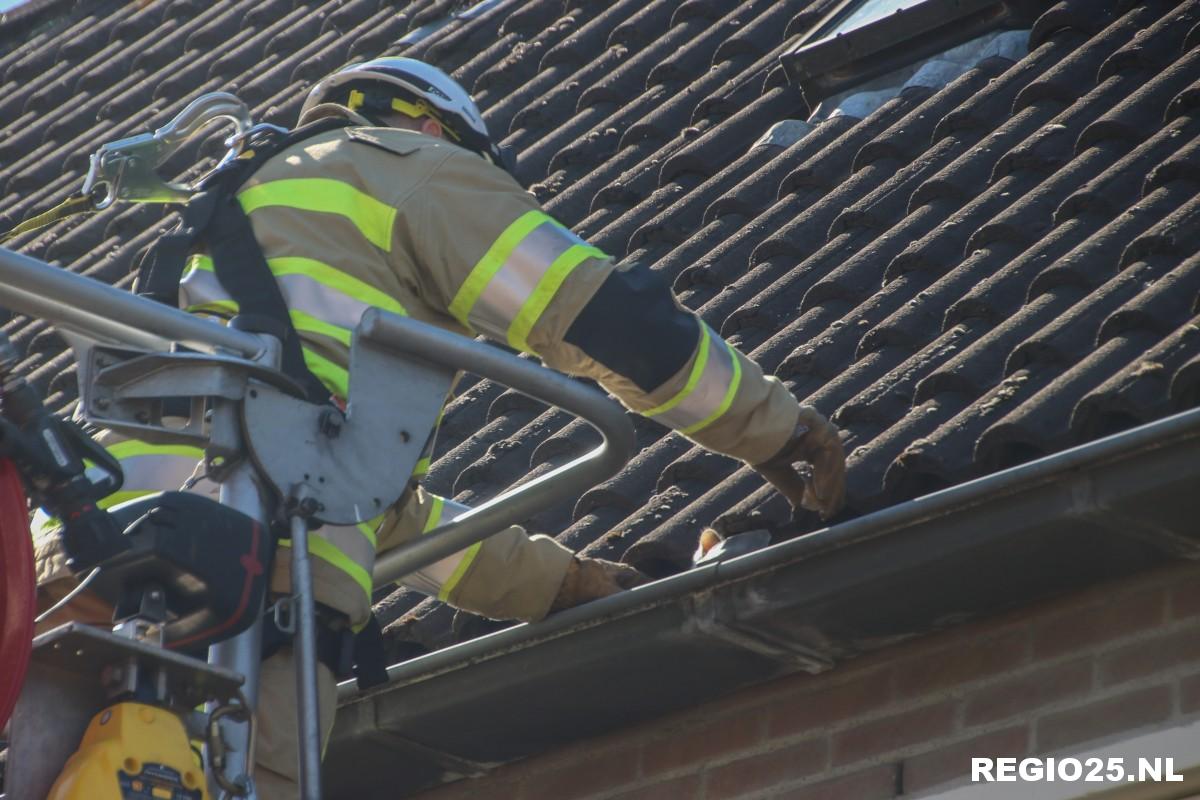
<point>875,47</point>
<point>932,73</point>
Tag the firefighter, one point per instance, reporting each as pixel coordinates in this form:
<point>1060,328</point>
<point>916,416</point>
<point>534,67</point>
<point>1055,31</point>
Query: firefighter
<point>404,203</point>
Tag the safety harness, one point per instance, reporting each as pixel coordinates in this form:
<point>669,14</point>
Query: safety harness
<point>213,219</point>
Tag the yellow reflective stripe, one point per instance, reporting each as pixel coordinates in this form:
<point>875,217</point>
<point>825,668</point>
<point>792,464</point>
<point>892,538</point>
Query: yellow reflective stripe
<point>326,195</point>
<point>133,447</point>
<point>326,551</point>
<point>336,379</point>
<point>197,261</point>
<point>435,514</point>
<point>46,524</point>
<point>693,378</point>
<point>543,293</point>
<point>307,323</point>
<point>335,279</point>
<point>223,308</point>
<point>493,259</point>
<point>468,558</point>
<point>727,401</point>
<point>422,466</point>
<point>320,272</point>
<point>369,528</point>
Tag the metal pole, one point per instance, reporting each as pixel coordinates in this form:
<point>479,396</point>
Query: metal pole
<point>113,315</point>
<point>304,655</point>
<point>242,653</point>
<point>431,344</point>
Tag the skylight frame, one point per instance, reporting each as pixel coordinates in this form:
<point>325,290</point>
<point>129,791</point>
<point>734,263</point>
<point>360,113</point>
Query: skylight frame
<point>824,64</point>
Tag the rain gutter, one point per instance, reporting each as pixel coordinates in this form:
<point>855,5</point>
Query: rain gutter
<point>1097,512</point>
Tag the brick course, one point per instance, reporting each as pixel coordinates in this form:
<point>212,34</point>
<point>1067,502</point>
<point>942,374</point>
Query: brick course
<point>1116,660</point>
<point>936,767</point>
<point>1103,718</point>
<point>880,736</point>
<point>1189,694</point>
<point>1027,691</point>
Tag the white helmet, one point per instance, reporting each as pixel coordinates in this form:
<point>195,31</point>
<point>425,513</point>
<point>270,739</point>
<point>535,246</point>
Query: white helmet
<point>412,87</point>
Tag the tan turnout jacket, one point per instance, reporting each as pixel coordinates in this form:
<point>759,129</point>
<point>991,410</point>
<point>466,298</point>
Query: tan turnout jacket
<point>362,216</point>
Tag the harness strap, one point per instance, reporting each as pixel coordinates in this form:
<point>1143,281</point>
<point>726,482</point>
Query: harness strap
<point>370,658</point>
<point>162,267</point>
<point>75,204</point>
<point>244,273</point>
<point>346,653</point>
<point>214,216</point>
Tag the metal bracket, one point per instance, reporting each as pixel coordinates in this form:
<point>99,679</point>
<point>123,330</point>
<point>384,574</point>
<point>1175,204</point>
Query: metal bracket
<point>717,616</point>
<point>127,390</point>
<point>358,464</point>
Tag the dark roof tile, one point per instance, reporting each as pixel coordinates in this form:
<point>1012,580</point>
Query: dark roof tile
<point>1041,423</point>
<point>1173,238</point>
<point>1072,14</point>
<point>1073,58</point>
<point>1108,193</point>
<point>1156,46</point>
<point>1071,335</point>
<point>624,493</point>
<point>564,70</point>
<point>1145,108</point>
<point>1170,298</point>
<point>1140,392</point>
<point>979,365</point>
<point>873,481</point>
<point>1185,384</point>
<point>735,134</point>
<point>945,277</point>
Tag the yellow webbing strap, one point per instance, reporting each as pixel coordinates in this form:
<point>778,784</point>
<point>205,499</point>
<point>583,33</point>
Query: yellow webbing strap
<point>75,204</point>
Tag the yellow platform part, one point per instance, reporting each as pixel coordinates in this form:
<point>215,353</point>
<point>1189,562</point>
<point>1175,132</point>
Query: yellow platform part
<point>132,751</point>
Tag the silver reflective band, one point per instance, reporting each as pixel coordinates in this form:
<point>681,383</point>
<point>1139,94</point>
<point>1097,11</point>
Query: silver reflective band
<point>201,290</point>
<point>710,389</point>
<point>302,293</point>
<point>510,287</point>
<point>431,580</point>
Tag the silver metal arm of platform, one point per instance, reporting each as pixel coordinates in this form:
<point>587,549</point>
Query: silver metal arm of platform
<point>108,314</point>
<point>359,463</point>
<point>99,311</point>
<point>424,342</point>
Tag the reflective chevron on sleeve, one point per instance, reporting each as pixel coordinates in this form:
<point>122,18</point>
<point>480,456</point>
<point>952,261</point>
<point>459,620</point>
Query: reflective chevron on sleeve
<point>439,579</point>
<point>711,386</point>
<point>508,289</point>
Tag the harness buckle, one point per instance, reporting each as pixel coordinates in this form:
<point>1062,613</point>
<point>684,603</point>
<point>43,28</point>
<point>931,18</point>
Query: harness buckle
<point>284,615</point>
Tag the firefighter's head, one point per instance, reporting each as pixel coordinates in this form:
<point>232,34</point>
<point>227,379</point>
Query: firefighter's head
<point>405,93</point>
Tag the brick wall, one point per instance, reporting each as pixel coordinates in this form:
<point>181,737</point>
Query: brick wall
<point>1119,658</point>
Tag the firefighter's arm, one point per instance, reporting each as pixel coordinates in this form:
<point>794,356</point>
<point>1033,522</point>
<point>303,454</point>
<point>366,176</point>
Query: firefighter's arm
<point>504,268</point>
<point>692,380</point>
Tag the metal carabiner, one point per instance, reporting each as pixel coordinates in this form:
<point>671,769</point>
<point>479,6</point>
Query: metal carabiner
<point>126,169</point>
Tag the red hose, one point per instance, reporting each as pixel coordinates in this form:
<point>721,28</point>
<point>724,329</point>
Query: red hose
<point>17,589</point>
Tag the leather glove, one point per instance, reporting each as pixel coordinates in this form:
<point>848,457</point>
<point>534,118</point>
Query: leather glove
<point>592,578</point>
<point>815,441</point>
